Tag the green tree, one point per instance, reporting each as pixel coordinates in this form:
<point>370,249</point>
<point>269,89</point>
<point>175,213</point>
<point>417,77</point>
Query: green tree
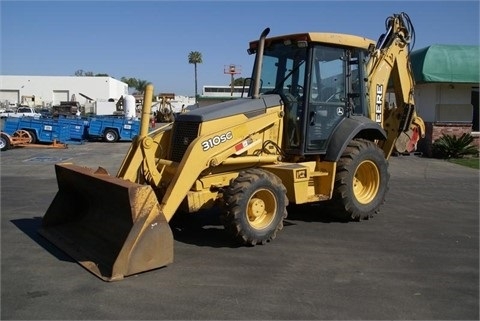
<point>141,85</point>
<point>451,146</point>
<point>131,82</point>
<point>195,57</point>
<point>138,84</point>
<point>240,81</point>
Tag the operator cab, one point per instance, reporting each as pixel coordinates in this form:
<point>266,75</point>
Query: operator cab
<point>319,83</point>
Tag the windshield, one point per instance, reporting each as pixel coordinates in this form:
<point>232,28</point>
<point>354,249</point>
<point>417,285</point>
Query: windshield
<point>283,73</point>
<point>283,69</point>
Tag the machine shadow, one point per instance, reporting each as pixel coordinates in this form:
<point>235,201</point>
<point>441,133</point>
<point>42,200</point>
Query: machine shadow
<point>321,212</point>
<point>203,228</point>
<point>30,227</point>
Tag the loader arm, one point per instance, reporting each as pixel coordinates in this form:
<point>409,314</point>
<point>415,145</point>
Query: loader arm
<point>141,155</point>
<point>390,64</point>
<point>141,163</point>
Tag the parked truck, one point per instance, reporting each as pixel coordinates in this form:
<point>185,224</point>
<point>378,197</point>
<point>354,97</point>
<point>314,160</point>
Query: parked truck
<point>22,111</point>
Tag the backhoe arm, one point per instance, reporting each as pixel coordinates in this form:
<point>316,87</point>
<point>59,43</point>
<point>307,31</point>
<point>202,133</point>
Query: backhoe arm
<point>390,65</point>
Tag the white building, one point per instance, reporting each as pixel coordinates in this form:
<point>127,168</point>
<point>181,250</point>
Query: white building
<point>446,91</point>
<point>50,90</point>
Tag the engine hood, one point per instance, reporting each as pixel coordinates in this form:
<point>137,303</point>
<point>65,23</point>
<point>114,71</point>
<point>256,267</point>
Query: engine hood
<point>250,107</point>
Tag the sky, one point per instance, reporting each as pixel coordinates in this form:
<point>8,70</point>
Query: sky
<point>151,40</point>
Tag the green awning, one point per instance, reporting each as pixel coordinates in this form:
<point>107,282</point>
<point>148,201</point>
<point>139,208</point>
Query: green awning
<point>446,64</point>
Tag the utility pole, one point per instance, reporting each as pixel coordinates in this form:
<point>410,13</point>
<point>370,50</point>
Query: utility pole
<point>232,70</point>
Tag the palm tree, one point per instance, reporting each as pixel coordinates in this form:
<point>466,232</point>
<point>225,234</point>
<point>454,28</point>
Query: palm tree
<point>131,82</point>
<point>141,85</point>
<point>138,84</point>
<point>195,57</point>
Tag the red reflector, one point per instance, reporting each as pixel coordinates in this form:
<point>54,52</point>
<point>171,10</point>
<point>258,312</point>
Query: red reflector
<point>241,145</point>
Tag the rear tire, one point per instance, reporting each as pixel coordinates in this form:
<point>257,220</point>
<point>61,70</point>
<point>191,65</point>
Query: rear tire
<point>361,182</point>
<point>33,136</point>
<point>4,142</point>
<point>110,136</point>
<point>255,206</point>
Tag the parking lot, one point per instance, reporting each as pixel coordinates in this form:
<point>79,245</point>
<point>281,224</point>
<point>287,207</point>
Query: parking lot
<point>418,259</point>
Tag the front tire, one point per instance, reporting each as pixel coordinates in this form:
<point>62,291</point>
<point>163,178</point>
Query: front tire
<point>361,182</point>
<point>255,207</point>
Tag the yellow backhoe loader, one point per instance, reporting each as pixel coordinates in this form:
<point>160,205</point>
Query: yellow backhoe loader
<point>315,126</point>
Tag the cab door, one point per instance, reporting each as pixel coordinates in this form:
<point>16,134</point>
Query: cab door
<point>326,101</point>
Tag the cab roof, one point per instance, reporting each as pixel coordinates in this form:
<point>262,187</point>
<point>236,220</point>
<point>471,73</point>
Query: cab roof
<point>321,37</point>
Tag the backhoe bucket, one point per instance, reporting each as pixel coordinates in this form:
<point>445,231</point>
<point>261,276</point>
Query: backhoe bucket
<point>112,227</point>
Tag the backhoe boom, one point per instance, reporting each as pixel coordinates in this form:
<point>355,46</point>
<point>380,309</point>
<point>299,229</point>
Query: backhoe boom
<point>390,62</point>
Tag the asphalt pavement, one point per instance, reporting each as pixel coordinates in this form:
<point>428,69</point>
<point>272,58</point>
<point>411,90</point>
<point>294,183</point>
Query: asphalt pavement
<point>416,260</point>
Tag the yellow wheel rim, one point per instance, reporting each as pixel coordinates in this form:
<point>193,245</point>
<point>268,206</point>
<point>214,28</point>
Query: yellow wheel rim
<point>261,209</point>
<point>366,182</point>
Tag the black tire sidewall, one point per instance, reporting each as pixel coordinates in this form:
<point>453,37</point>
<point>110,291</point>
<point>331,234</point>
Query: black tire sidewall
<point>113,133</point>
<point>6,141</point>
<point>34,136</point>
<point>237,201</point>
<point>264,233</point>
<point>367,151</point>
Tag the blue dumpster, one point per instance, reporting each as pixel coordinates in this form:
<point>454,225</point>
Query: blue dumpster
<point>112,129</point>
<point>77,127</point>
<point>41,130</point>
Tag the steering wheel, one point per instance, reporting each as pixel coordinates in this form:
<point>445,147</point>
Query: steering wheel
<point>287,95</point>
<point>333,96</point>
<point>297,89</point>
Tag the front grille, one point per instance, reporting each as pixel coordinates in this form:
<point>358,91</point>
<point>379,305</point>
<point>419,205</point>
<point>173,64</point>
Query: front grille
<point>183,134</point>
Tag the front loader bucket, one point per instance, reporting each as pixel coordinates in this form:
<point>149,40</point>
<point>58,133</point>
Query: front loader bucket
<point>112,227</point>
